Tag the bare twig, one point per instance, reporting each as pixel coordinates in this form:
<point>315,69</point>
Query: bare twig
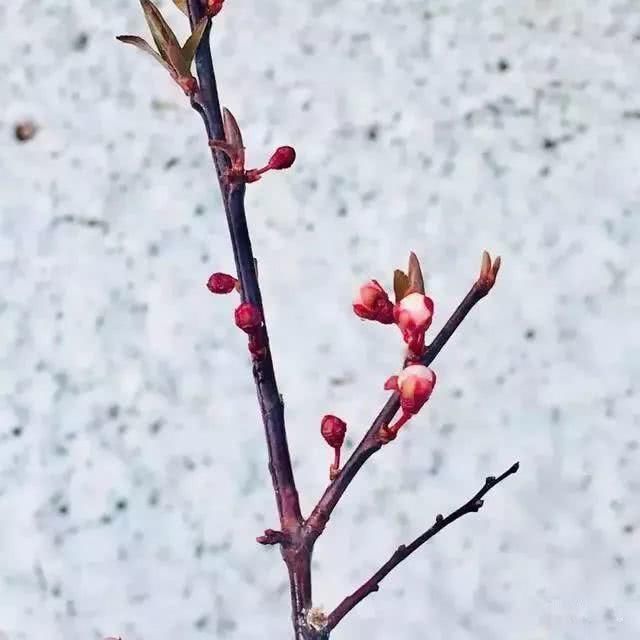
<point>372,441</point>
<point>372,585</point>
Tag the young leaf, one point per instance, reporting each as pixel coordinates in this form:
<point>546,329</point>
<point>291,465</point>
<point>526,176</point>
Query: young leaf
<point>142,44</point>
<point>162,34</point>
<point>232,131</point>
<point>416,280</point>
<point>400,284</point>
<point>191,45</point>
<point>175,58</point>
<point>182,5</point>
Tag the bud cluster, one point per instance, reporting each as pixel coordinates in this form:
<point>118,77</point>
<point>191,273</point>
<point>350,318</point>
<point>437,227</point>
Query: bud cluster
<point>247,316</point>
<point>412,313</point>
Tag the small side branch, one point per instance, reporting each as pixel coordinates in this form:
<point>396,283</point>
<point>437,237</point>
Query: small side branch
<point>372,440</point>
<point>473,505</point>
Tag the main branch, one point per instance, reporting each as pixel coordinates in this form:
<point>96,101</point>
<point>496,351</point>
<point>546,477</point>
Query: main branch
<point>207,103</point>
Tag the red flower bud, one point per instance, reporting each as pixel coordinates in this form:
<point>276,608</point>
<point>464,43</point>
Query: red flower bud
<point>221,283</point>
<point>333,431</point>
<point>282,158</point>
<point>248,318</point>
<point>372,303</point>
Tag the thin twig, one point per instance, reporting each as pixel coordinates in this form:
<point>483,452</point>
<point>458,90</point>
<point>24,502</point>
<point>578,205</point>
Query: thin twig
<point>371,442</point>
<point>372,585</point>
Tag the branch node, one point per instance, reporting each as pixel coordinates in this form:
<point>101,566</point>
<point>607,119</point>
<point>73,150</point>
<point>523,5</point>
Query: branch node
<point>316,618</point>
<point>271,536</point>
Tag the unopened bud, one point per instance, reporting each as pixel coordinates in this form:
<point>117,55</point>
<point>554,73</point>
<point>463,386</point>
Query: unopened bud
<point>248,317</point>
<point>414,313</point>
<point>257,348</point>
<point>221,283</point>
<point>415,383</point>
<point>372,303</point>
<point>333,430</point>
<point>282,158</point>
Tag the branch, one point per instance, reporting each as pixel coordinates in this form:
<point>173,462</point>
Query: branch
<point>480,288</point>
<point>206,102</point>
<point>372,441</point>
<point>404,551</point>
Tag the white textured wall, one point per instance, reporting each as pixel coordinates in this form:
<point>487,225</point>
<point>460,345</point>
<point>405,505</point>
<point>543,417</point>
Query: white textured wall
<point>132,467</point>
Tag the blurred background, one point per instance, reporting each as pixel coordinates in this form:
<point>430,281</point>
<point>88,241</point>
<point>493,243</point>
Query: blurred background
<point>133,475</point>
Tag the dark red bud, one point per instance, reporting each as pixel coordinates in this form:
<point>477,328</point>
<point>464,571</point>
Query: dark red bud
<point>248,317</point>
<point>282,158</point>
<point>221,283</point>
<point>256,347</point>
<point>333,430</point>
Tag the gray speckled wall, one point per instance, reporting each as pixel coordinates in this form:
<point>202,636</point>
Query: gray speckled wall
<point>132,467</point>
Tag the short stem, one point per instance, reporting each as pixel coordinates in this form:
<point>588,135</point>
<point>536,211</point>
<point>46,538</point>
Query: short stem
<point>392,431</point>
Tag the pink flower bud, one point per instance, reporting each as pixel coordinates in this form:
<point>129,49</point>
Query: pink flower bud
<point>413,313</point>
<point>248,317</point>
<point>221,283</point>
<point>372,303</point>
<point>282,158</point>
<point>333,430</point>
<point>415,384</point>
